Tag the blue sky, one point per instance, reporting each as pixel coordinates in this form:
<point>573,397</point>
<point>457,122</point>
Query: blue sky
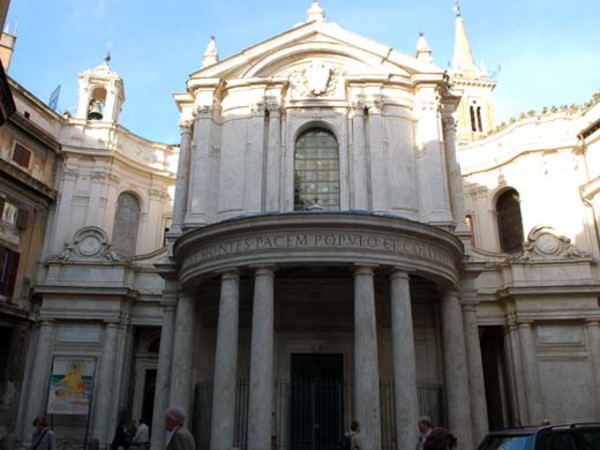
<point>548,50</point>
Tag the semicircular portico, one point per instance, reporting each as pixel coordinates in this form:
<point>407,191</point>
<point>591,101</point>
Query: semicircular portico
<point>305,239</point>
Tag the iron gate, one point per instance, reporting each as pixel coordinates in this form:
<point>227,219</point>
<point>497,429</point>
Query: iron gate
<point>291,426</point>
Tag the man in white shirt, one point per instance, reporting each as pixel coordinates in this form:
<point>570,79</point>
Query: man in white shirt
<point>141,438</point>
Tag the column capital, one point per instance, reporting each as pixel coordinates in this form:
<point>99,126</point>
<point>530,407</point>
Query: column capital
<point>185,127</point>
<point>263,270</point>
<point>45,322</point>
<point>592,322</point>
<point>364,269</point>
<point>399,273</point>
<point>524,324</point>
<point>470,306</point>
<point>168,305</point>
<point>229,274</point>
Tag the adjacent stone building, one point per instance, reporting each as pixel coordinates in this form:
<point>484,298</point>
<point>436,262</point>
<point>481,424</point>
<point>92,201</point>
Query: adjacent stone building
<point>346,235</point>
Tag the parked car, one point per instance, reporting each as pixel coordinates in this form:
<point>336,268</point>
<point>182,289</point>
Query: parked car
<point>575,436</point>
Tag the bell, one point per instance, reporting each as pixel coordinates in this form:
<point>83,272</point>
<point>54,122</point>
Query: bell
<point>95,112</point>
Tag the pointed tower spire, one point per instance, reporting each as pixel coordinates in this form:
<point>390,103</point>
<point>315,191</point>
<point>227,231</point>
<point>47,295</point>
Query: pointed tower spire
<point>475,112</point>
<point>211,55</point>
<point>463,62</point>
<point>423,49</point>
<point>315,13</point>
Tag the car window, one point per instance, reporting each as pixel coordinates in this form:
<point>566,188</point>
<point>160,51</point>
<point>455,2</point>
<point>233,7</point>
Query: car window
<point>561,441</point>
<point>590,439</point>
<point>523,442</point>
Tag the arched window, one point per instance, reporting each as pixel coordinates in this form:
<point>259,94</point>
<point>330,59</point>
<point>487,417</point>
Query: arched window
<point>127,220</point>
<point>510,224</point>
<point>96,105</point>
<point>475,113</point>
<point>316,171</point>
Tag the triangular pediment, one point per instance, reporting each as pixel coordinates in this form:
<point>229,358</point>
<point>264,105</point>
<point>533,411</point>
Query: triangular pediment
<point>347,52</point>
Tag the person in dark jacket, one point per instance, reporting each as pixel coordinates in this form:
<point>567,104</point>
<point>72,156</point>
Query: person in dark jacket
<point>179,437</point>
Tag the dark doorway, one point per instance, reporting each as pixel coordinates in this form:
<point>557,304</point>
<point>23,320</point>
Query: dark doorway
<point>496,376</point>
<point>148,402</point>
<point>316,401</point>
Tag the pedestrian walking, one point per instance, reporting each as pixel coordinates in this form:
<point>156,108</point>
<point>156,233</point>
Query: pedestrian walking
<point>440,439</point>
<point>424,425</point>
<point>43,437</point>
<point>179,437</point>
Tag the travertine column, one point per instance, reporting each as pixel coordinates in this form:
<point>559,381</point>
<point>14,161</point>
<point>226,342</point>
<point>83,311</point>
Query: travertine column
<point>225,378</point>
<point>455,178</point>
<point>261,362</point>
<point>475,369</point>
<point>273,159</point>
<point>516,390</point>
<point>200,186</point>
<point>183,354</point>
<point>377,156</point>
<point>405,374</point>
<point>455,370</point>
<point>181,184</point>
<point>163,378</point>
<point>593,334</point>
<point>360,192</point>
<point>530,373</point>
<point>37,392</point>
<point>103,393</point>
<point>431,166</point>
<point>366,366</point>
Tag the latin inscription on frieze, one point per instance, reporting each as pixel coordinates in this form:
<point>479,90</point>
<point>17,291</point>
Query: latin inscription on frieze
<point>321,241</point>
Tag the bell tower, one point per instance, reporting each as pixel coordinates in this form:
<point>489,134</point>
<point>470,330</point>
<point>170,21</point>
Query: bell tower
<point>476,112</point>
<point>101,94</point>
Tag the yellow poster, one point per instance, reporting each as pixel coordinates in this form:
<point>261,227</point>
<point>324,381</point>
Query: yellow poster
<point>71,385</point>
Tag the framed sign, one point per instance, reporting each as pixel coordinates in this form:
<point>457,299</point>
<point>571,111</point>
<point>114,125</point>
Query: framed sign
<point>71,385</point>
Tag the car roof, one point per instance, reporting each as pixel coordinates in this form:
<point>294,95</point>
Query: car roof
<point>520,431</point>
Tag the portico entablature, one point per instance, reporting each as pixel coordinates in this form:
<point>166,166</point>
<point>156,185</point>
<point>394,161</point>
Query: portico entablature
<point>321,238</point>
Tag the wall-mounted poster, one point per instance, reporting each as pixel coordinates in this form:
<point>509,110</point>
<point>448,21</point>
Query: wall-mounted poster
<point>71,385</point>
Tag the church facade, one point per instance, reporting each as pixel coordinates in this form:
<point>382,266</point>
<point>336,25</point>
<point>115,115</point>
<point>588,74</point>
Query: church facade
<point>341,234</point>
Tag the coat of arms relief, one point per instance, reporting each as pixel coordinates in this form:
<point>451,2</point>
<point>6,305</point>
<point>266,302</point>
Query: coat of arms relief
<point>315,80</point>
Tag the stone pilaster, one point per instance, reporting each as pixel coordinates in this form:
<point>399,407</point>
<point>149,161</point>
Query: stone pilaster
<point>456,184</point>
<point>225,378</point>
<point>200,188</point>
<point>455,370</point>
<point>163,378</point>
<point>475,369</point>
<point>261,361</point>
<point>359,176</point>
<point>182,182</point>
<point>433,186</point>
<point>183,353</point>
<point>106,384</point>
<point>37,391</point>
<point>530,374</point>
<point>517,390</point>
<point>593,337</point>
<point>272,187</point>
<point>366,366</point>
<point>405,376</point>
<point>377,156</point>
